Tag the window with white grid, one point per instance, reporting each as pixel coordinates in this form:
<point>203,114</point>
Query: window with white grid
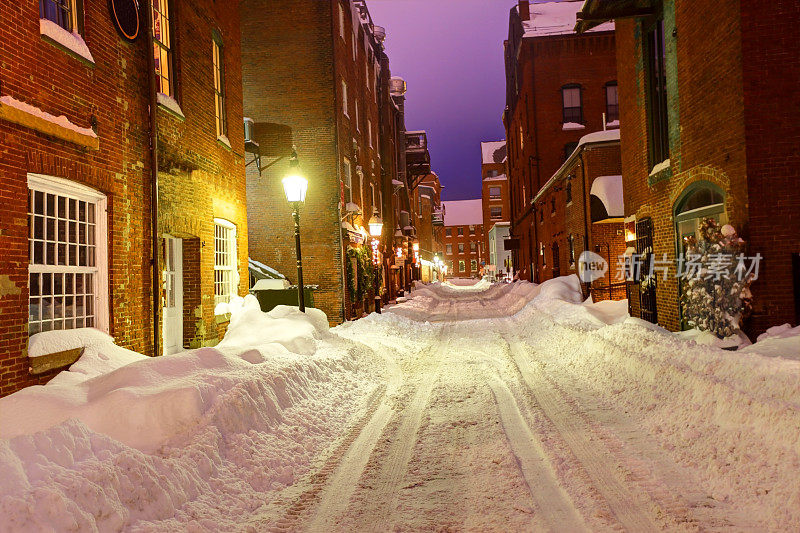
<point>66,256</point>
<point>225,273</point>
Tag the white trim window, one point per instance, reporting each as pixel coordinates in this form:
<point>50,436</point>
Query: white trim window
<point>226,274</point>
<point>67,257</point>
<point>348,180</point>
<point>344,99</point>
<point>341,21</point>
<point>369,131</point>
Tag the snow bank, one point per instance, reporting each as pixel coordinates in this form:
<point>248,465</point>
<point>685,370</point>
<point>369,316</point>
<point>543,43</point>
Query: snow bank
<point>731,416</point>
<point>124,441</point>
<point>778,341</point>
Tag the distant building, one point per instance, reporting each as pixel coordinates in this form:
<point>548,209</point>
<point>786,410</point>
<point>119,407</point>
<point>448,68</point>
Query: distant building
<point>464,252</point>
<point>429,224</point>
<point>709,131</point>
<point>559,87</point>
<point>496,204</point>
<point>500,264</point>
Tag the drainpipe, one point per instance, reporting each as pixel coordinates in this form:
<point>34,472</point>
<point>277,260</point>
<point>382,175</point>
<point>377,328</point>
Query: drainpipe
<point>586,212</point>
<point>153,137</point>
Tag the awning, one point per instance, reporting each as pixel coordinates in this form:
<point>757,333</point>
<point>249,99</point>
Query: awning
<point>596,12</point>
<point>608,189</point>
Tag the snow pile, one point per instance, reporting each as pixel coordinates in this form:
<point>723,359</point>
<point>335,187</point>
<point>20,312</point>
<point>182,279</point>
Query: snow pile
<point>205,436</point>
<point>730,416</point>
<point>778,341</point>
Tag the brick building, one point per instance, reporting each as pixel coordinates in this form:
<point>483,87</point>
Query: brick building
<point>581,208</point>
<point>496,197</point>
<point>315,75</point>
<point>464,241</point>
<point>76,166</point>
<point>707,131</point>
<point>559,86</point>
<point>429,225</point>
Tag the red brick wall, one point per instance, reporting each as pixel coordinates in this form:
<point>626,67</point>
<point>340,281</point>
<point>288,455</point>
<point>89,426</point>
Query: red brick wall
<point>707,124</point>
<point>112,91</point>
<point>200,178</point>
<point>771,75</point>
<point>293,67</point>
<point>546,65</point>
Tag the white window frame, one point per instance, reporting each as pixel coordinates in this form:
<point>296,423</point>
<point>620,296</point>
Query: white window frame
<point>344,99</point>
<point>369,131</point>
<point>232,268</point>
<point>77,191</point>
<point>341,21</point>
<point>347,170</point>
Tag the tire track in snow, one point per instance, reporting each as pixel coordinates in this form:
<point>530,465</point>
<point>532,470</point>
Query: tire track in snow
<point>628,506</point>
<point>341,466</point>
<point>555,506</point>
<point>387,479</point>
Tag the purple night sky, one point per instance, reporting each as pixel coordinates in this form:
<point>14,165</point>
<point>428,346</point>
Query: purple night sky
<point>450,52</point>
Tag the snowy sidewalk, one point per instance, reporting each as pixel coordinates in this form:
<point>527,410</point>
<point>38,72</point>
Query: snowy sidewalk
<point>502,407</point>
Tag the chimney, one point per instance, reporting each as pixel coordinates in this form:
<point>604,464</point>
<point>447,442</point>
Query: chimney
<point>524,10</point>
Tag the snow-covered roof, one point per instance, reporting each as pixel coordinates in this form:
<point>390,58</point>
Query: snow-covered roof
<point>556,18</point>
<point>499,177</point>
<point>260,270</point>
<point>493,152</point>
<point>608,190</point>
<point>463,212</point>
<point>415,132</point>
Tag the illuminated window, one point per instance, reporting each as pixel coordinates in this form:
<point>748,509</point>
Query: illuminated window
<point>162,47</point>
<point>472,246</point>
<point>226,276</point>
<point>472,230</point>
<point>462,266</point>
<point>67,260</point>
<point>449,249</point>
<point>219,85</point>
<point>473,265</point>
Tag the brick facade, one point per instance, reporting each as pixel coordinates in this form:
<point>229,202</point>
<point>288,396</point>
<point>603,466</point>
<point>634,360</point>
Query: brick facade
<point>110,94</point>
<point>538,66</point>
<point>729,72</point>
<point>471,239</point>
<point>298,59</point>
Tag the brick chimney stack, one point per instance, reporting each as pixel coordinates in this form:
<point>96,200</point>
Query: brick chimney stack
<point>524,9</point>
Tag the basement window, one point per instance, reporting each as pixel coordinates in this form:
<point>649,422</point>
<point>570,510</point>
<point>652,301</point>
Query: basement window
<point>67,261</point>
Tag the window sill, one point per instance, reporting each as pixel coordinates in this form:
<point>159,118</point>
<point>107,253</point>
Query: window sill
<point>70,42</point>
<point>660,172</point>
<point>224,141</point>
<point>572,126</point>
<point>34,118</point>
<point>171,106</point>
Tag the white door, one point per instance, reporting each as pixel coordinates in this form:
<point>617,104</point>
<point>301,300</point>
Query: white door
<point>173,295</point>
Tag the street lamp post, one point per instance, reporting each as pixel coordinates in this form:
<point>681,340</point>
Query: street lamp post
<point>375,230</point>
<point>295,186</point>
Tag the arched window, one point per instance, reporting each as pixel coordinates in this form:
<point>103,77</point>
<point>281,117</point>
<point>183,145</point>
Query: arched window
<point>699,200</point>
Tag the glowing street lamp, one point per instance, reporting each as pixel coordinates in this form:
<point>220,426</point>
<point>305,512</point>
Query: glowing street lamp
<point>375,225</point>
<point>295,186</point>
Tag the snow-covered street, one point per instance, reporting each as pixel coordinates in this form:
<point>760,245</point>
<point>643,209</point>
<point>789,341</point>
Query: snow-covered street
<point>486,407</point>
